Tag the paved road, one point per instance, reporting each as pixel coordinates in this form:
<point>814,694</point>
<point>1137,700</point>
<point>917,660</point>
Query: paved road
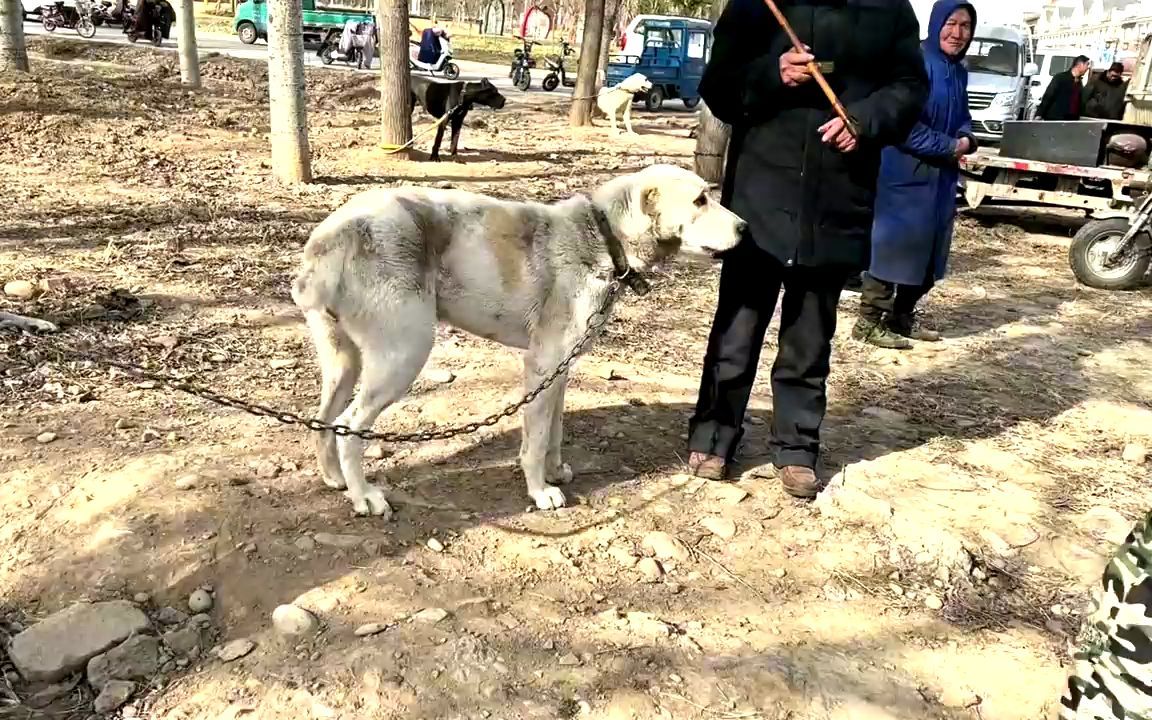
<point>230,45</point>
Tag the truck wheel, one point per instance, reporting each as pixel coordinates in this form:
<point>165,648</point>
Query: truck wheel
<point>246,31</point>
<point>655,99</point>
<point>451,71</point>
<point>690,103</point>
<point>1098,237</point>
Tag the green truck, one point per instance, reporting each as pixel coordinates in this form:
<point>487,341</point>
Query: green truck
<point>251,20</point>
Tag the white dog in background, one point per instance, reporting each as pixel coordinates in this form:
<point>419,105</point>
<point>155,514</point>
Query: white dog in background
<point>619,98</point>
<point>382,270</point>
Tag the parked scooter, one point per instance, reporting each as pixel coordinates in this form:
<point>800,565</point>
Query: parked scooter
<point>556,74</point>
<point>442,65</point>
<point>55,15</point>
<point>522,62</point>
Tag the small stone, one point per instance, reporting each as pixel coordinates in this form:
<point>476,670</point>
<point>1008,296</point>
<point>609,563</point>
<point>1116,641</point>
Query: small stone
<point>187,482</point>
<point>1135,453</point>
<point>124,424</point>
<point>283,363</point>
<point>141,598</point>
<point>374,451</point>
<point>430,615</point>
<point>114,694</point>
<point>136,658</point>
<point>201,620</point>
<point>46,437</point>
<point>168,342</point>
<point>895,589</point>
<point>664,546</point>
<point>20,289</point>
<point>149,435</point>
<point>200,601</point>
<point>65,641</point>
<point>293,620</point>
<point>235,649</point>
<point>722,528</point>
<point>170,616</point>
<point>779,572</point>
<point>368,629</point>
<point>344,542</point>
<point>184,642</point>
<point>508,620</point>
<point>305,543</point>
<point>650,569</point>
<point>727,493</point>
<point>884,415</point>
<point>933,602</point>
<point>440,376</point>
<point>569,660</point>
<point>435,545</point>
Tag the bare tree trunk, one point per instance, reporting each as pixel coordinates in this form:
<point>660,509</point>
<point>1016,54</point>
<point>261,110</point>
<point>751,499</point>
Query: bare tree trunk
<point>189,57</point>
<point>711,134</point>
<point>291,155</point>
<point>395,85</point>
<point>580,113</point>
<point>13,51</point>
<point>607,37</point>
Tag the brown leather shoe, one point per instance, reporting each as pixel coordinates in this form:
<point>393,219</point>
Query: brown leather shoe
<point>799,481</point>
<point>709,467</point>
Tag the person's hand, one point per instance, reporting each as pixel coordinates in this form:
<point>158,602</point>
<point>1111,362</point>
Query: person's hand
<point>835,134</point>
<point>963,147</point>
<point>794,67</point>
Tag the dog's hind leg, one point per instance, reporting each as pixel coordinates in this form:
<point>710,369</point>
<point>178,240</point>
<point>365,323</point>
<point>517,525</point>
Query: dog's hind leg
<point>628,118</point>
<point>394,344</point>
<point>559,472</point>
<point>339,369</point>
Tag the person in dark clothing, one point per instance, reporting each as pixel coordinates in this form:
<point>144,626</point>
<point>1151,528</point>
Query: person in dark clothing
<point>1104,96</point>
<point>916,193</point>
<point>1063,98</point>
<point>806,187</point>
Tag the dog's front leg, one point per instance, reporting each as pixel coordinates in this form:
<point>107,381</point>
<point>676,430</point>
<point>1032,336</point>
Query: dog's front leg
<point>539,424</point>
<point>559,472</point>
<point>628,118</point>
<point>436,143</point>
<point>457,124</point>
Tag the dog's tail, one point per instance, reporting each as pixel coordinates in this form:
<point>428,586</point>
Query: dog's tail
<point>320,279</point>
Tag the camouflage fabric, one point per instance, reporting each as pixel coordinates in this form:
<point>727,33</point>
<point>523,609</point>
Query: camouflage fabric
<point>1112,679</point>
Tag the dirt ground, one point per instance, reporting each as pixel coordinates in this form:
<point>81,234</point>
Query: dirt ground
<point>979,482</point>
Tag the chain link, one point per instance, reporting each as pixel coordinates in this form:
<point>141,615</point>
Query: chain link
<point>594,323</point>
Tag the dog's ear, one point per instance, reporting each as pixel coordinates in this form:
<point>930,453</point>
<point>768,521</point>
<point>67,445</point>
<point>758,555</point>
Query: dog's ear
<point>650,201</point>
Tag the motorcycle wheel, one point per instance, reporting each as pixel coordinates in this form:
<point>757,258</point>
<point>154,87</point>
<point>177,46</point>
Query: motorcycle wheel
<point>326,55</point>
<point>85,28</point>
<point>97,21</point>
<point>451,71</point>
<point>550,82</point>
<point>49,25</point>
<point>523,80</point>
<point>1098,237</point>
<point>157,37</point>
<point>132,37</point>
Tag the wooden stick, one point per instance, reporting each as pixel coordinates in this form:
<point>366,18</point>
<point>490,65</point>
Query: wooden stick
<point>815,70</point>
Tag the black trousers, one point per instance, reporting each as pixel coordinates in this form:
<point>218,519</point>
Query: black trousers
<point>750,284</point>
<point>878,297</point>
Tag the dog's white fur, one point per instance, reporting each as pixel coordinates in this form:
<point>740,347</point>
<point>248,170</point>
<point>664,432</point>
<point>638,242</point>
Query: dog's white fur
<point>379,272</point>
<point>618,99</point>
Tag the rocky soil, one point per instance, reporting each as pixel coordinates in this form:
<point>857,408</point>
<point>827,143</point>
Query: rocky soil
<point>976,484</point>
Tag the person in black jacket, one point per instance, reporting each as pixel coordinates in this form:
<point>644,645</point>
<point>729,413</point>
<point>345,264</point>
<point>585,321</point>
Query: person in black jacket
<point>1105,96</point>
<point>1064,95</point>
<point>806,187</point>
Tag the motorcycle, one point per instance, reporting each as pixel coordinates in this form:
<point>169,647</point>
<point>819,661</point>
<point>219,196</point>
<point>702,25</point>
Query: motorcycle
<point>55,15</point>
<point>329,51</point>
<point>556,72</point>
<point>1114,253</point>
<point>443,63</point>
<point>522,63</point>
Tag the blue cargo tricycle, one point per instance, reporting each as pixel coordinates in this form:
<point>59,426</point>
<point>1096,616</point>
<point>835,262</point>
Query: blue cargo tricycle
<point>673,58</point>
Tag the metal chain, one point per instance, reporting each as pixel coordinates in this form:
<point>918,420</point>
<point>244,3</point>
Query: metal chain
<point>594,323</point>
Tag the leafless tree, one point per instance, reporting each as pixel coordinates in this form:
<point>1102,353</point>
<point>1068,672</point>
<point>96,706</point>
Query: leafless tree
<point>291,155</point>
<point>580,113</point>
<point>13,51</point>
<point>189,57</point>
<point>395,85</point>
<point>711,134</point>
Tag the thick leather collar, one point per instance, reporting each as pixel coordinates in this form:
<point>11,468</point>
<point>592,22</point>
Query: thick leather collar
<point>621,270</point>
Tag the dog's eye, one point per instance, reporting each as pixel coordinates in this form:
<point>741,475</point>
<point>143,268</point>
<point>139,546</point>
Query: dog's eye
<point>702,200</point>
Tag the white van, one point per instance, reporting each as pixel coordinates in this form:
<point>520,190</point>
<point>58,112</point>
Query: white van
<point>1000,68</point>
<point>631,41</point>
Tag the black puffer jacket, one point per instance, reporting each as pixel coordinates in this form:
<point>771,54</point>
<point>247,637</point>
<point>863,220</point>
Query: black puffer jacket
<point>805,203</point>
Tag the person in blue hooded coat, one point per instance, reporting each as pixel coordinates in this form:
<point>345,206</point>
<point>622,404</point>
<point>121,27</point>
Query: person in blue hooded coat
<point>916,190</point>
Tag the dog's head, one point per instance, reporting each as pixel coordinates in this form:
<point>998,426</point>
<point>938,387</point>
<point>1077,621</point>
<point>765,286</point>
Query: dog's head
<point>664,209</point>
<point>635,83</point>
<point>483,92</point>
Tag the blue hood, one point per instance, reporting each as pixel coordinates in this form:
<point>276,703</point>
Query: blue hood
<point>940,12</point>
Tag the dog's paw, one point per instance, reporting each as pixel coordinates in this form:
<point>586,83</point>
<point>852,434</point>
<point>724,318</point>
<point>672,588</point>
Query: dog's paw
<point>550,498</point>
<point>336,482</point>
<point>373,502</point>
<point>562,475</point>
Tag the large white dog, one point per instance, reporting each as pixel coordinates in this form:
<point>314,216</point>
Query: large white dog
<point>378,274</point>
<point>613,101</point>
